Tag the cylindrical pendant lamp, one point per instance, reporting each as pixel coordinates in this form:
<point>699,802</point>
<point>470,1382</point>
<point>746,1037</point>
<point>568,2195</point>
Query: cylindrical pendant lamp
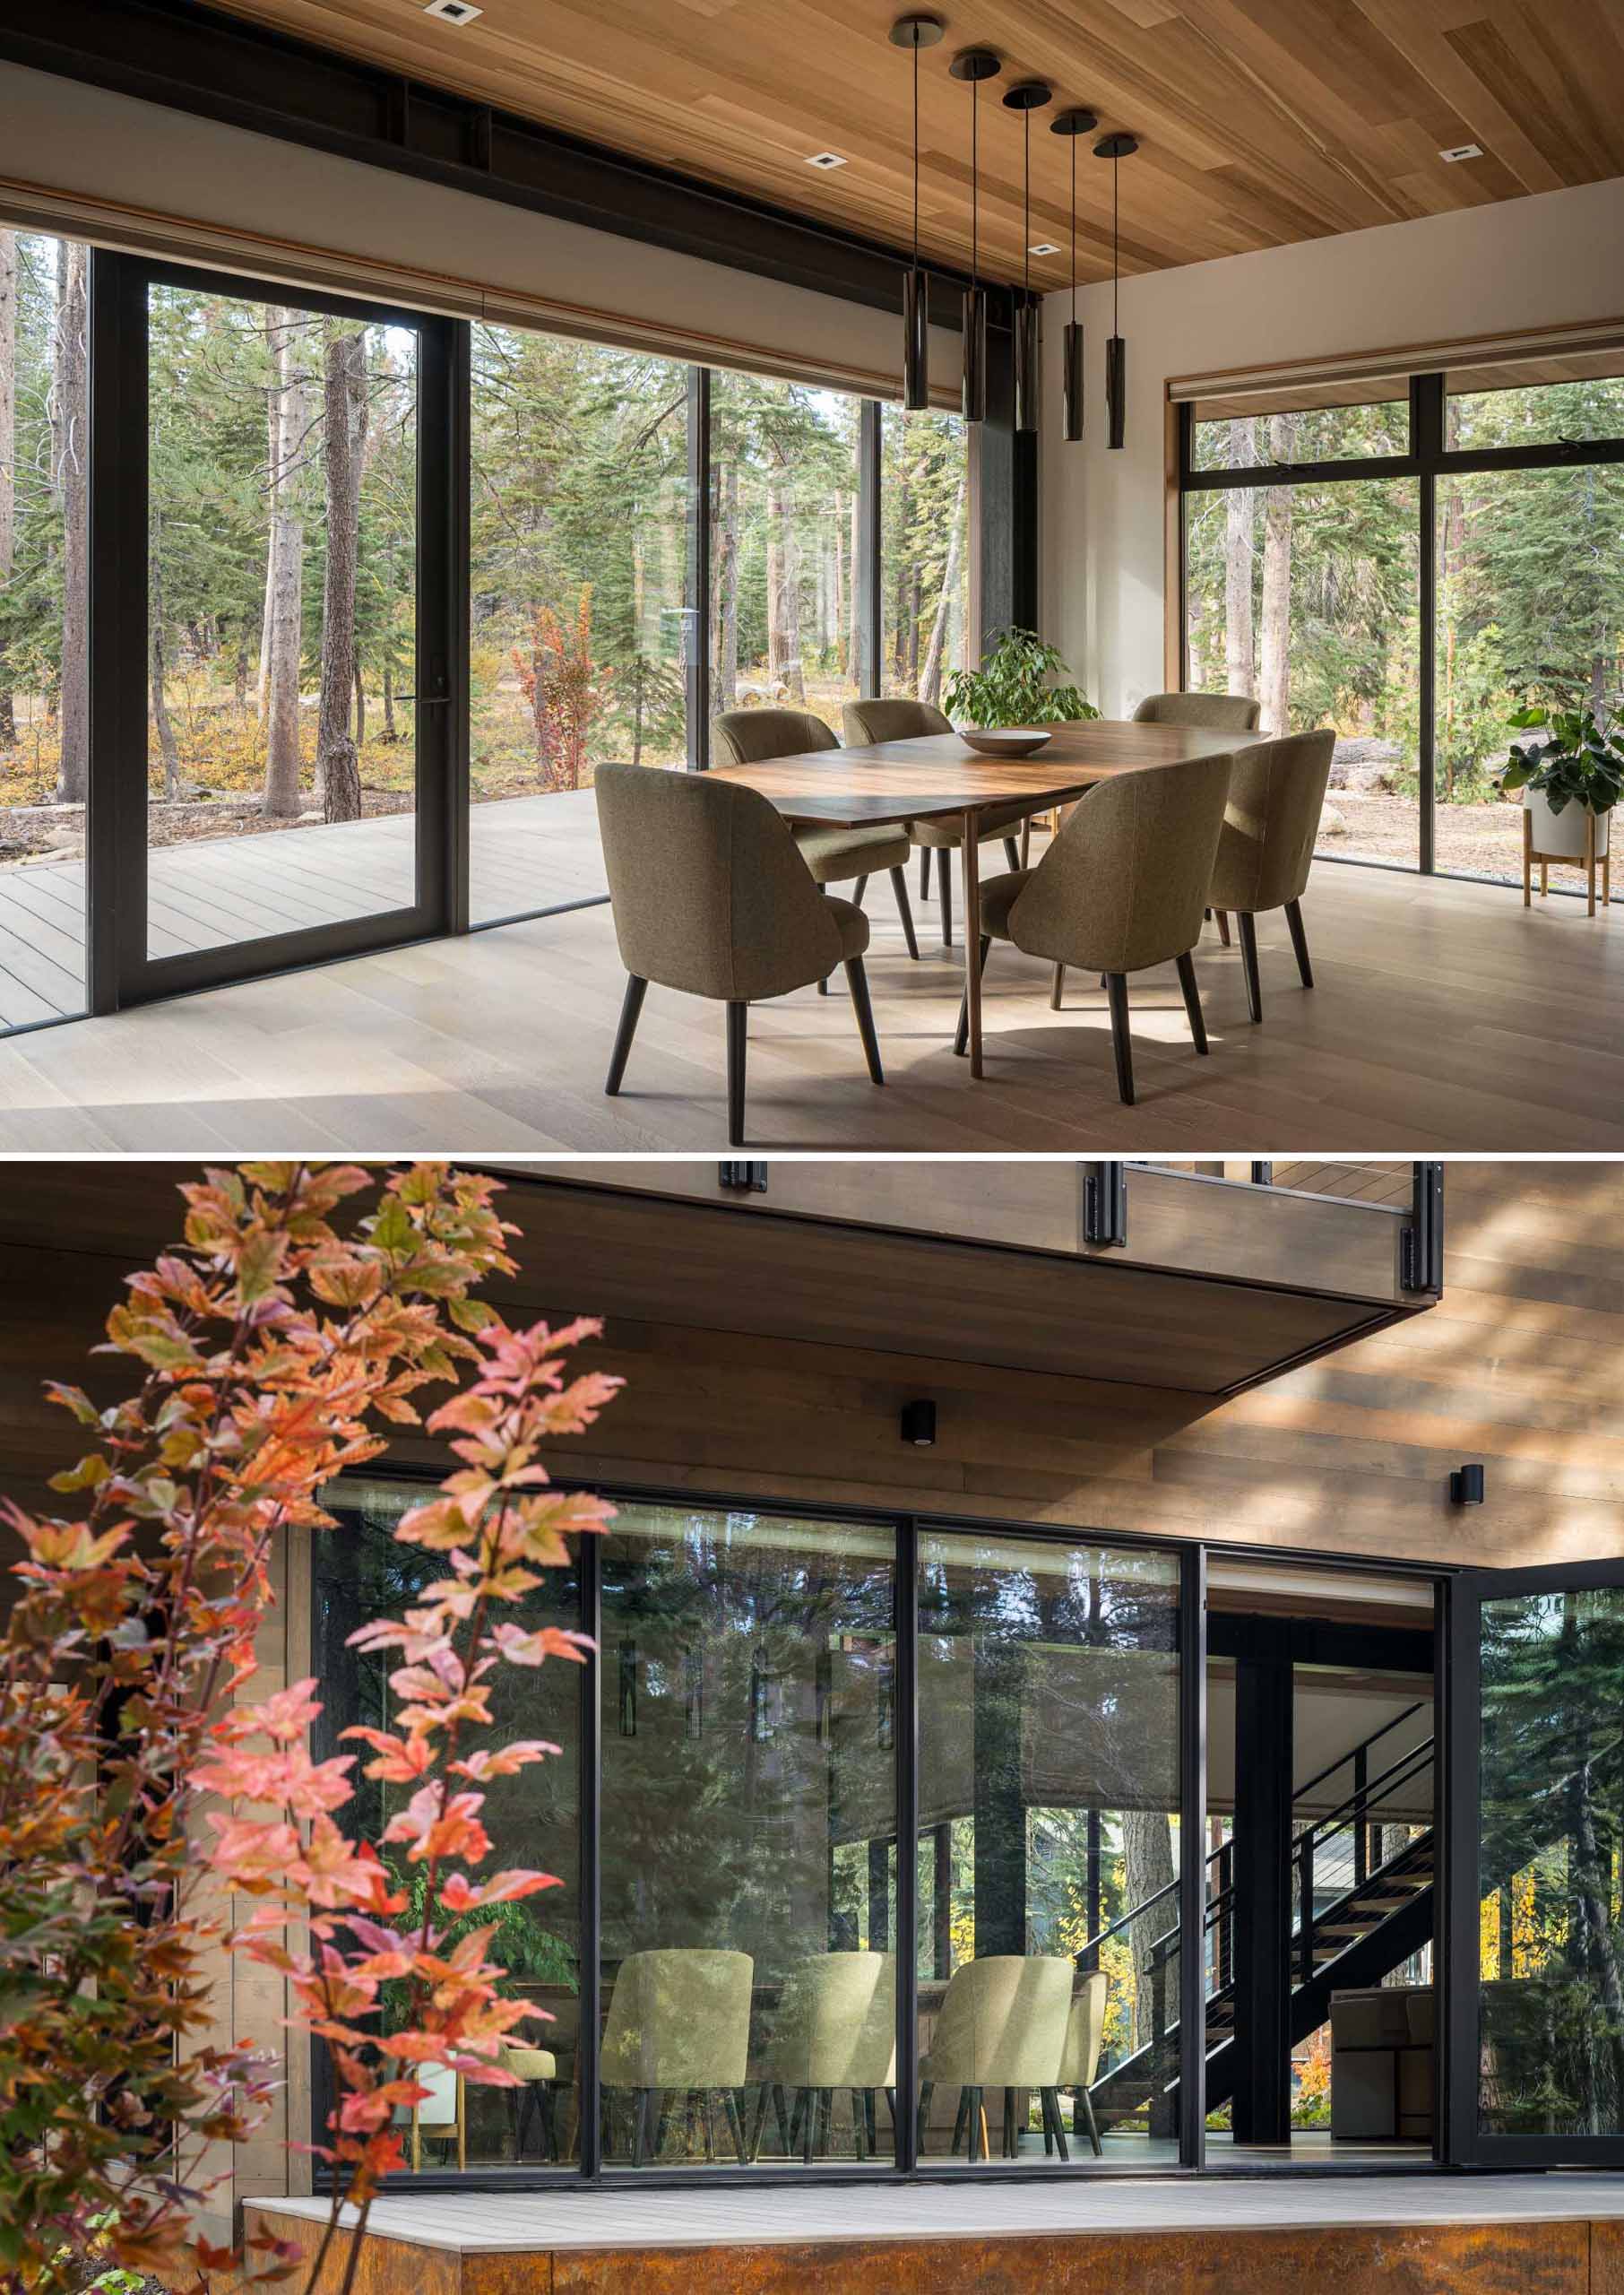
<point>1073,123</point>
<point>916,32</point>
<point>975,64</point>
<point>1026,97</point>
<point>1116,148</point>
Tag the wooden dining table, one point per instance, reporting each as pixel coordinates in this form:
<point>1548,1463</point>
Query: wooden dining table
<point>938,777</point>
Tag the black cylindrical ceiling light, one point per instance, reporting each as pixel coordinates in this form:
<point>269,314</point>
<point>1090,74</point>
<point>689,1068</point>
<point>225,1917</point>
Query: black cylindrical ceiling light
<point>916,32</point>
<point>975,64</point>
<point>1073,123</point>
<point>1026,97</point>
<point>1115,148</point>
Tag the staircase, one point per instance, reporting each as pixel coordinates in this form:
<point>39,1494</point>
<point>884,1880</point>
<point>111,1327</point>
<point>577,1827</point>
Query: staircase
<point>1354,1924</point>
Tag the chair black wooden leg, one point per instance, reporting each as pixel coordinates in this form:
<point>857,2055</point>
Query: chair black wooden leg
<point>1116,989</point>
<point>1249,963</point>
<point>548,2104</point>
<point>1009,2129</point>
<point>977,2149</point>
<point>729,2104</point>
<point>737,1015</point>
<point>858,889</point>
<point>1087,2102</point>
<point>899,884</point>
<point>631,1006</point>
<point>1192,999</point>
<point>856,980</point>
<point>960,2118</point>
<point>1224,927</point>
<point>1012,852</point>
<point>961,1039</point>
<point>858,2124</point>
<point>924,872</point>
<point>640,2122</point>
<point>921,2117</point>
<point>944,885</point>
<point>1054,994</point>
<point>1300,941</point>
<point>1051,2114</point>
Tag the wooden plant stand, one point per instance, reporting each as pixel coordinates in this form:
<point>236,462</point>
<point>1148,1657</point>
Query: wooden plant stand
<point>1585,860</point>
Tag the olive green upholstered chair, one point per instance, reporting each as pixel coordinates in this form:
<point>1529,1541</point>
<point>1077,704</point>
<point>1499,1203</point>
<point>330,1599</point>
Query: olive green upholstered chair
<point>711,895</point>
<point>1217,713</point>
<point>865,722</point>
<point>679,2027</point>
<point>835,2029</point>
<point>1124,885</point>
<point>1003,2024</point>
<point>538,2068</point>
<point>833,856</point>
<point>1271,823</point>
<point>1080,2060</point>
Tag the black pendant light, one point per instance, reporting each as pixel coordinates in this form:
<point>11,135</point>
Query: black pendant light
<point>1026,97</point>
<point>975,64</point>
<point>1115,148</point>
<point>1074,123</point>
<point>916,32</point>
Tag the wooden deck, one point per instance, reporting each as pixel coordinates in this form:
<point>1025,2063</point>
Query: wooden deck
<point>1448,1019</point>
<point>526,853</point>
<point>1379,2235</point>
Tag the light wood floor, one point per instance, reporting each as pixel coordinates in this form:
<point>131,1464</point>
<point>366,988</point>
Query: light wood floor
<point>1446,1018</point>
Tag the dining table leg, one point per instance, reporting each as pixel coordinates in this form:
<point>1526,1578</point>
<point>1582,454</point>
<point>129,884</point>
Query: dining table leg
<point>971,848</point>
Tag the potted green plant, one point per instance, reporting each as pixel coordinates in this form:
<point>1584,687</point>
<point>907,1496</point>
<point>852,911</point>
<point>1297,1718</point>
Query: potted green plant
<point>1577,770</point>
<point>1012,688</point>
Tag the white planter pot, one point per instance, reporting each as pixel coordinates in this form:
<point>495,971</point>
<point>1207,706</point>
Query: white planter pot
<point>1561,836</point>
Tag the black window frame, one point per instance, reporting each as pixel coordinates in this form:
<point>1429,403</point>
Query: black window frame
<point>1427,460</point>
<point>588,2172</point>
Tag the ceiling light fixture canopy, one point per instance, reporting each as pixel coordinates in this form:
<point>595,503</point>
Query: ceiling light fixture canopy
<point>1026,97</point>
<point>1116,148</point>
<point>975,64</point>
<point>916,32</point>
<point>1075,122</point>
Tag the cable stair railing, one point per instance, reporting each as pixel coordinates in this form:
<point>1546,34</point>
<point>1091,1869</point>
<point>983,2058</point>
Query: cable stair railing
<point>1354,1922</point>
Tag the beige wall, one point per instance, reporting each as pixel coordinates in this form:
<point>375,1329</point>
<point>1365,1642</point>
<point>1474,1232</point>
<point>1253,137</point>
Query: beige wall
<point>453,250</point>
<point>1526,262</point>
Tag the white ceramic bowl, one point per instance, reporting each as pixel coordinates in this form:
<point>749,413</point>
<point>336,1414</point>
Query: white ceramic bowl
<point>1008,740</point>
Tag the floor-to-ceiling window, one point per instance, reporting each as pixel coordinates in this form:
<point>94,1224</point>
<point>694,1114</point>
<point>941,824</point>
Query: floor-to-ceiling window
<point>748,1825</point>
<point>579,605</point>
<point>1317,523</point>
<point>786,546</point>
<point>1049,1791</point>
<point>925,631</point>
<point>361,1573</point>
<point>44,625</point>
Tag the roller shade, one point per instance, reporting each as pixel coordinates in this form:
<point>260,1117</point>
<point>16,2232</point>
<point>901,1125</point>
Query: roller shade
<point>1369,377</point>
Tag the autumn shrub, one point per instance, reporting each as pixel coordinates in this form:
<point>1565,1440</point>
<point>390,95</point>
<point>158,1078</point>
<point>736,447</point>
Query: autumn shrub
<point>272,1350</point>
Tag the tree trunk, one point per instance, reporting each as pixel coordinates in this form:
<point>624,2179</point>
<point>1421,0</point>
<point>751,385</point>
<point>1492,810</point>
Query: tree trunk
<point>70,435</point>
<point>930,676</point>
<point>343,439</point>
<point>284,579</point>
<point>861,672</point>
<point>1148,1865</point>
<point>160,705</point>
<point>1275,672</point>
<point>361,707</point>
<point>389,731</point>
<point>8,464</point>
<point>784,588</point>
<point>727,589</point>
<point>1238,568</point>
<point>837,598</point>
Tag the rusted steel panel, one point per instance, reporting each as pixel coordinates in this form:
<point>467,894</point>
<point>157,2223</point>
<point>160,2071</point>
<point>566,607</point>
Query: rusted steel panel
<point>383,2267</point>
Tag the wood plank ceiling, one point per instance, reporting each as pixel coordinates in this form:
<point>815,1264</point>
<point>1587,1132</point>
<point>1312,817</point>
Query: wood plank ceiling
<point>1263,122</point>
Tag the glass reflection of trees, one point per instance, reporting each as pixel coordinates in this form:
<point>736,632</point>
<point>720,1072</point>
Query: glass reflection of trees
<point>1551,1863</point>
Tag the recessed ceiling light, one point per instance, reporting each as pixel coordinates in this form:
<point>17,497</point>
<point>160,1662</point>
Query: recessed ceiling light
<point>824,159</point>
<point>1044,246</point>
<point>453,12</point>
<point>1463,151</point>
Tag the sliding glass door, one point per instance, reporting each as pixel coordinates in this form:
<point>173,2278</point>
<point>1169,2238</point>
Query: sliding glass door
<point>280,789</point>
<point>1535,1871</point>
